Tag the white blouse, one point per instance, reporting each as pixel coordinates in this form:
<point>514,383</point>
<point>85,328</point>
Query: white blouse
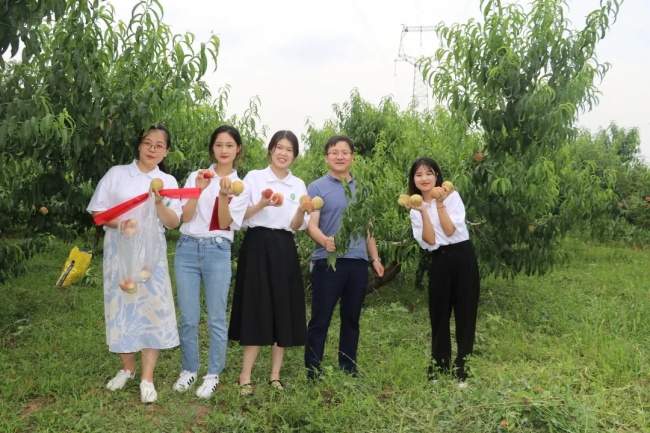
<point>274,217</point>
<point>456,211</point>
<point>123,182</point>
<point>199,225</point>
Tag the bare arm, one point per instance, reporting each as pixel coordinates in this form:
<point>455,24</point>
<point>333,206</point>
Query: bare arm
<point>190,206</point>
<point>445,220</point>
<point>375,261</point>
<point>317,235</point>
<point>225,219</point>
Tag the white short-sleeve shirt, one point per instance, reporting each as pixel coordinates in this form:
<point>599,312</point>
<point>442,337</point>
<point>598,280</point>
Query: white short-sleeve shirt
<point>199,225</point>
<point>123,182</point>
<point>274,217</point>
<point>456,211</point>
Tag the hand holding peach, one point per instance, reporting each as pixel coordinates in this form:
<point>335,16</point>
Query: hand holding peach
<point>157,184</point>
<point>277,199</point>
<point>403,200</point>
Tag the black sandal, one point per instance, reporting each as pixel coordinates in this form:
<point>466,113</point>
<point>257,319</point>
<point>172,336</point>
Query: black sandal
<point>246,389</point>
<point>277,384</point>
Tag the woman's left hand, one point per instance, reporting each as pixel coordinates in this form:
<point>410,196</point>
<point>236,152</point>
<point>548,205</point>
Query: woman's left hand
<point>157,197</point>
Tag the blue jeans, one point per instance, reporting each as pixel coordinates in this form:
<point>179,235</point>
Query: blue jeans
<point>347,284</point>
<point>207,260</point>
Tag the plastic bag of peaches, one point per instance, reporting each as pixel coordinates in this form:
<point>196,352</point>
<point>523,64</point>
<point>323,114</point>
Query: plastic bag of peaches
<point>138,246</point>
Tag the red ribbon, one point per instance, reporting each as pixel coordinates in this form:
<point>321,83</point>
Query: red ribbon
<point>116,211</point>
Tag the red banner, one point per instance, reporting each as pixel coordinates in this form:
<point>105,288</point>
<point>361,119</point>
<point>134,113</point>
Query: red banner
<point>116,211</point>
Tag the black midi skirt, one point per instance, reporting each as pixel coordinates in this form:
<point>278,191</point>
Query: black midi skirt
<point>268,304</point>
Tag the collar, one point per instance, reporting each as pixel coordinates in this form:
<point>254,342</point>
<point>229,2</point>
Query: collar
<point>271,177</point>
<point>135,171</point>
<point>333,179</point>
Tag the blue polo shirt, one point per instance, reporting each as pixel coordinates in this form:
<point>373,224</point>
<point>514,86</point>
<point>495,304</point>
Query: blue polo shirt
<point>331,191</point>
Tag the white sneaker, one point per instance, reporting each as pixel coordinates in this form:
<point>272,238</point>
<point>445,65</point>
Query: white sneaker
<point>119,380</point>
<point>148,392</point>
<point>209,386</point>
<point>463,384</point>
<point>185,381</point>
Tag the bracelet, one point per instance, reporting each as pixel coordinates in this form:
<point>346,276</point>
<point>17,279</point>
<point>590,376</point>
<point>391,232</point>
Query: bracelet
<point>376,260</point>
<point>442,207</point>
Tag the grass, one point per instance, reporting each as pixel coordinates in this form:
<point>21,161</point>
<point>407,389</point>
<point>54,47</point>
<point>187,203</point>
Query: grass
<point>565,352</point>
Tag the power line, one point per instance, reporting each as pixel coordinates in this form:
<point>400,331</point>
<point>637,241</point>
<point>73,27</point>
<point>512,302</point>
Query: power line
<point>366,26</point>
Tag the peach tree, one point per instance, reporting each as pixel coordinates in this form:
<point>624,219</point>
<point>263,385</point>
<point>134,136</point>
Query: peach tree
<point>76,96</point>
<point>519,79</point>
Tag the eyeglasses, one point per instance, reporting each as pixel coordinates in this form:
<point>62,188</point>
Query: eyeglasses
<point>156,147</point>
<point>336,153</point>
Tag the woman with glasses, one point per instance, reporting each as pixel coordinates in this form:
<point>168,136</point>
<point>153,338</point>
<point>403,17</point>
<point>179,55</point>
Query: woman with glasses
<point>269,300</point>
<point>144,321</point>
<point>203,256</point>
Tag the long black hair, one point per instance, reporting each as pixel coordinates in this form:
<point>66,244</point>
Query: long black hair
<point>428,163</point>
<point>279,136</point>
<point>234,133</point>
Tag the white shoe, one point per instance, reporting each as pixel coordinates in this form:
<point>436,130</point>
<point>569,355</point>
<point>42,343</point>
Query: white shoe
<point>463,385</point>
<point>148,392</point>
<point>119,380</point>
<point>209,386</point>
<point>185,381</point>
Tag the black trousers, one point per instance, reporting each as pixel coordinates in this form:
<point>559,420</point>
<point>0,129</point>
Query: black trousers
<point>454,284</point>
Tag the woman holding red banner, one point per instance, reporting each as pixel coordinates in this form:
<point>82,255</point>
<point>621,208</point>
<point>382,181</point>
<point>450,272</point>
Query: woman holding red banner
<point>143,321</point>
<point>203,256</point>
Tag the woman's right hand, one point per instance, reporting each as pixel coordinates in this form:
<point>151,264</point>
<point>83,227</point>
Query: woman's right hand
<point>200,181</point>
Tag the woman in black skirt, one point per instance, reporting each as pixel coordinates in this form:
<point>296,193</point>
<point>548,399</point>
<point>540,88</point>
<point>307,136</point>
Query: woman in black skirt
<point>269,300</point>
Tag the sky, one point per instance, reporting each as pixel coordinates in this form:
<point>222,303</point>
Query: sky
<point>301,57</point>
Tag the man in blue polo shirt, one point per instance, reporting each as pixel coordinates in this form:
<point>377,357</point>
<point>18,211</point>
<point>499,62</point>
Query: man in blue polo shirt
<point>348,283</point>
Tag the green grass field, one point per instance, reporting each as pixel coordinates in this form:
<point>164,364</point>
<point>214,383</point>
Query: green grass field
<point>566,352</point>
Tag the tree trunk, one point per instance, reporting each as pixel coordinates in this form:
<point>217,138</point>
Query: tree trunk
<point>390,272</point>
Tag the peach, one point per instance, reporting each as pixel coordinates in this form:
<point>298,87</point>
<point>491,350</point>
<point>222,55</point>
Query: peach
<point>44,210</point>
<point>157,184</point>
<point>225,183</point>
<point>237,187</point>
<point>278,198</point>
<point>436,193</point>
<point>448,186</point>
<point>403,199</point>
<point>317,202</point>
<point>307,206</point>
<point>478,157</point>
<point>267,193</point>
<point>208,174</point>
<point>415,200</point>
<point>145,273</point>
<point>128,285</point>
<point>303,198</point>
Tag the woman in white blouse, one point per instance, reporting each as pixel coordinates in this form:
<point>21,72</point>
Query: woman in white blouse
<point>144,321</point>
<point>454,283</point>
<point>203,258</point>
<point>269,300</point>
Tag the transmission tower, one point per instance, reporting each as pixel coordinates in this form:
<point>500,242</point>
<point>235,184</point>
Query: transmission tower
<point>420,88</point>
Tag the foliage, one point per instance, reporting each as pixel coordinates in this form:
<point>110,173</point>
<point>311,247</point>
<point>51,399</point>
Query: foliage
<point>86,89</point>
<point>519,79</point>
<point>614,153</point>
<point>548,360</point>
<point>19,21</point>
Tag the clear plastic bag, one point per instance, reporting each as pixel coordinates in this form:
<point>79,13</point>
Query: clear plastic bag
<point>139,246</point>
